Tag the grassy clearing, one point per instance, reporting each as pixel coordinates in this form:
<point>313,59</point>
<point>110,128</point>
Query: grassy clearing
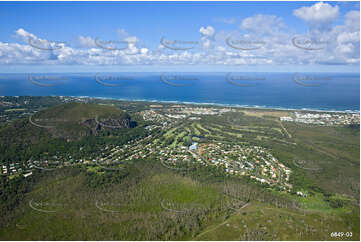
<point>261,222</point>
<point>177,138</point>
<point>202,128</point>
<point>196,131</point>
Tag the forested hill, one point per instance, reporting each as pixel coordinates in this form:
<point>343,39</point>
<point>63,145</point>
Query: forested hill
<point>64,125</point>
<point>70,121</point>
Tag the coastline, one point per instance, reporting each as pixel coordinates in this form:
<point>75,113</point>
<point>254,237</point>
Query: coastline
<point>238,106</point>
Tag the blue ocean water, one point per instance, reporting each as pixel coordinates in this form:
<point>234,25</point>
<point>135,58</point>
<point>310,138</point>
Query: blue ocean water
<point>313,91</point>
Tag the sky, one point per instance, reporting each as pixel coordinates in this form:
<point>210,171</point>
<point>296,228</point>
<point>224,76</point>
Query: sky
<point>179,36</point>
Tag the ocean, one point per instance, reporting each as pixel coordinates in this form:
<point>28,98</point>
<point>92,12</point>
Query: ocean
<point>307,91</point>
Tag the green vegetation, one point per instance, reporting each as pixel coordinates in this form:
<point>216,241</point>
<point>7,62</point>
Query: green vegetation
<point>141,199</point>
<point>151,202</point>
<point>75,131</point>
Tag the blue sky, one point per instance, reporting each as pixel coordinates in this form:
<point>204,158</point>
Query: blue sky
<point>143,24</point>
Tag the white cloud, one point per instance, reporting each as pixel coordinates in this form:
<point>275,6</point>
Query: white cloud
<point>25,35</point>
<point>352,20</point>
<point>318,13</point>
<point>207,32</point>
<point>87,42</point>
<point>263,24</point>
<point>343,48</point>
<point>347,37</point>
<point>124,35</point>
<point>131,39</point>
<point>207,38</point>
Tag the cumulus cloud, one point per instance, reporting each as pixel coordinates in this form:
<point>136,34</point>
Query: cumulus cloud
<point>352,20</point>
<point>86,42</point>
<point>263,24</point>
<point>346,38</point>
<point>207,38</point>
<point>124,35</point>
<point>25,35</point>
<point>207,32</point>
<point>343,44</point>
<point>343,47</point>
<point>318,13</point>
<point>319,17</point>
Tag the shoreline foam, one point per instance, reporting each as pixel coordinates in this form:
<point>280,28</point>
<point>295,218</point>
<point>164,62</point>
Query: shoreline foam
<point>225,105</point>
